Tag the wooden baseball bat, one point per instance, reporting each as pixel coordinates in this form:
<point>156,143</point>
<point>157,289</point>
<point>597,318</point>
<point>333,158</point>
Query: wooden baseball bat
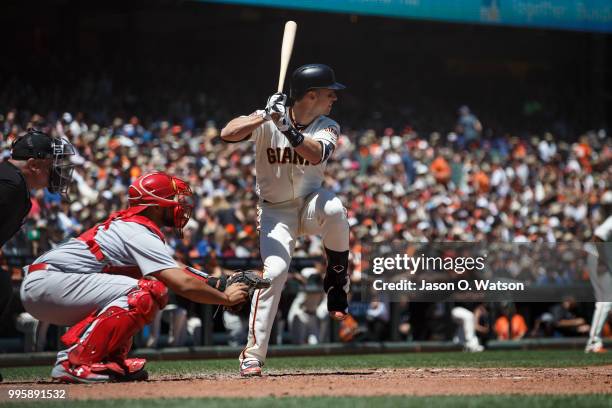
<point>286,49</point>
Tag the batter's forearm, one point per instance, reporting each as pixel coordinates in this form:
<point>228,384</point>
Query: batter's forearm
<point>239,128</point>
<point>311,150</point>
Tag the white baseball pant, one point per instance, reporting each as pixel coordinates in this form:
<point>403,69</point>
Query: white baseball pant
<point>319,213</point>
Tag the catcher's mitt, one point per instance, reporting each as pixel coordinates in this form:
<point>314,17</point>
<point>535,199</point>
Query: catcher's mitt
<point>252,279</point>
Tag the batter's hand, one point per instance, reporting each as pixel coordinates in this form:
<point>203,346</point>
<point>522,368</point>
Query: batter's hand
<point>275,106</point>
<point>282,122</point>
<point>236,294</point>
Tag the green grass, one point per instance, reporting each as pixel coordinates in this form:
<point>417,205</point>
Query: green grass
<point>183,368</point>
<point>485,401</point>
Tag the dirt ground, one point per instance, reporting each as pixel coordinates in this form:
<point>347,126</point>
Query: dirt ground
<point>374,382</point>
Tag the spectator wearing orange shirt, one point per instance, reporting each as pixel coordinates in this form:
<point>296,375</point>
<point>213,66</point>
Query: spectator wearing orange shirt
<point>481,181</point>
<point>441,170</point>
<point>583,153</point>
<point>510,325</point>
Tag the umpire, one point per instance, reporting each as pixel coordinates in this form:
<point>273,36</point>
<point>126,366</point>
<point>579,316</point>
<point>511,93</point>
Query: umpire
<point>37,161</point>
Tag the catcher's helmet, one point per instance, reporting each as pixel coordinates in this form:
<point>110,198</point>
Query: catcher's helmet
<point>312,76</point>
<point>163,190</point>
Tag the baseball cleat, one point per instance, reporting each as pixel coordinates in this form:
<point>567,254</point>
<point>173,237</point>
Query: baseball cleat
<point>337,303</point>
<point>595,348</point>
<point>97,373</point>
<point>121,366</point>
<point>141,375</point>
<point>67,373</point>
<point>250,368</point>
<point>473,346</point>
<point>131,369</point>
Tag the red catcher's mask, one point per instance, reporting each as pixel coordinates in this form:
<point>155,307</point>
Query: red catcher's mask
<point>162,190</point>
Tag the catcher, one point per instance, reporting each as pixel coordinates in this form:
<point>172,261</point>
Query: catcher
<point>112,280</point>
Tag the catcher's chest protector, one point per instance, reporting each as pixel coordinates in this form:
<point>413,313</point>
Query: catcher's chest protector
<point>127,215</point>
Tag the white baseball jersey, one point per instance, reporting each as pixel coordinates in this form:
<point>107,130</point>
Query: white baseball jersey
<point>282,174</point>
<point>123,244</point>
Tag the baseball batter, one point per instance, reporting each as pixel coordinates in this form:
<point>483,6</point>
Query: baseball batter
<point>293,141</point>
<point>112,280</point>
<point>602,283</point>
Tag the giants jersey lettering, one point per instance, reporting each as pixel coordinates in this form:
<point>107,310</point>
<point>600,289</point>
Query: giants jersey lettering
<point>282,174</point>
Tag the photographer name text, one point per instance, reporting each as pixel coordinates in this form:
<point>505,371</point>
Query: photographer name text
<point>461,285</point>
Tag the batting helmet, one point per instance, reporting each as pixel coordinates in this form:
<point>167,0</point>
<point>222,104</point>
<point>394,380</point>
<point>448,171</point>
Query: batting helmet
<point>163,190</point>
<point>312,76</point>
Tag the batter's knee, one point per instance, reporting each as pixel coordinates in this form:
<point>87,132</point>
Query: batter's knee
<point>276,269</point>
<point>334,210</point>
<point>335,231</point>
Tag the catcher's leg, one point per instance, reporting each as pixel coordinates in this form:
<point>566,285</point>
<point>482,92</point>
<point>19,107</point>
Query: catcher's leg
<point>100,343</point>
<point>277,231</point>
<point>324,214</point>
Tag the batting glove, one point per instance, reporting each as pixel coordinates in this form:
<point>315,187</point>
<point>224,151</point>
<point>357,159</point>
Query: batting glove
<point>276,104</point>
<point>283,123</point>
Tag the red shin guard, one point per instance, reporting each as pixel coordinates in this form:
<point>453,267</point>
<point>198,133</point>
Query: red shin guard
<point>110,334</point>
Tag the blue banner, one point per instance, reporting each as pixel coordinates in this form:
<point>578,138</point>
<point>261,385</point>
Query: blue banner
<point>586,15</point>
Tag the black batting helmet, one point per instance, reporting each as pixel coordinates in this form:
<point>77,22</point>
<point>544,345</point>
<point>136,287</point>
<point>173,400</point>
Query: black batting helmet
<point>312,76</point>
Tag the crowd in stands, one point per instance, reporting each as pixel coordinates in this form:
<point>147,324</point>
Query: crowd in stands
<point>398,185</point>
<point>460,184</point>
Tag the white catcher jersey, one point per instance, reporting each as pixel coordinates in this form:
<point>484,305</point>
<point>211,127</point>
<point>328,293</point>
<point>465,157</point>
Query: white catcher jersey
<point>123,244</point>
<point>282,174</point>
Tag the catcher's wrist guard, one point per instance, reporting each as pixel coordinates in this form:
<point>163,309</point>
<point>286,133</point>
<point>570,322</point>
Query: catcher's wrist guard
<point>294,137</point>
<point>218,283</point>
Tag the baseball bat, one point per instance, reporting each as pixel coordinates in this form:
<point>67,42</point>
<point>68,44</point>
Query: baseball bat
<point>286,49</point>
